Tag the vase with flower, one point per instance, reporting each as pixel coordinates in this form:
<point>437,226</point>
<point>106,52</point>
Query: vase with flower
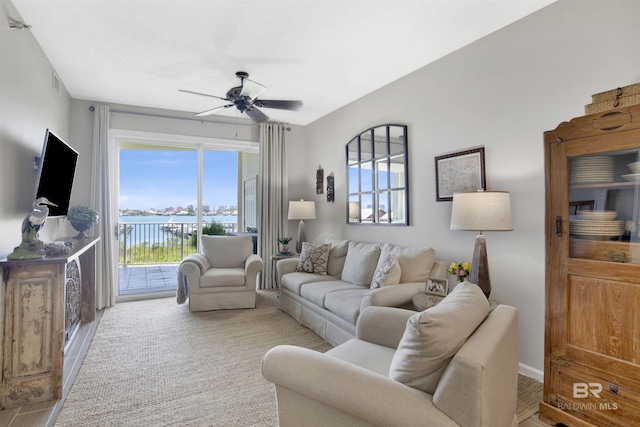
<point>460,270</point>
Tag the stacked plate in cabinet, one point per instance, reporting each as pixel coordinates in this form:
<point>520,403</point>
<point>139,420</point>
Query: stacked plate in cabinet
<point>599,224</point>
<point>591,169</point>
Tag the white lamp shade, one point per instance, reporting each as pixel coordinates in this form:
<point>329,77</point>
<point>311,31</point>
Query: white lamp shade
<point>481,211</point>
<point>302,210</point>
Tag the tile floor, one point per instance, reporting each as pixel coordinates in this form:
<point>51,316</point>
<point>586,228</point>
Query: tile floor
<point>147,278</point>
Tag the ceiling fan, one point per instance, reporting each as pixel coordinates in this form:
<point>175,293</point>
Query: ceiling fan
<point>245,99</point>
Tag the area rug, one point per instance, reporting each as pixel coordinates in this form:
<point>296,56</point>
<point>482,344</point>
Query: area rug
<point>154,363</point>
<point>529,397</point>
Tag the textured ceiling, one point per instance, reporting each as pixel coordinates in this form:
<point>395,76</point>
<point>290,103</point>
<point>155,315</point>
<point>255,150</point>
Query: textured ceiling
<point>326,53</point>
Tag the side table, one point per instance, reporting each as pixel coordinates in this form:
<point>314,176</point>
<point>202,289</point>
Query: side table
<point>422,301</point>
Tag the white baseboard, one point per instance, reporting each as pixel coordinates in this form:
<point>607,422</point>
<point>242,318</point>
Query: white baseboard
<point>531,372</point>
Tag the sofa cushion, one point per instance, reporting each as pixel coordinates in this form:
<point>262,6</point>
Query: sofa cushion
<point>345,304</point>
<point>337,255</point>
<point>222,277</point>
<point>226,251</point>
<point>317,292</point>
<point>360,263</point>
<point>294,281</point>
<point>313,258</point>
<point>387,273</point>
<point>415,262</point>
<point>432,337</point>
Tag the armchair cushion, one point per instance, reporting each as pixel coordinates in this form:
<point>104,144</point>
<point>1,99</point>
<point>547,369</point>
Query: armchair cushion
<point>226,251</point>
<point>432,337</point>
<point>222,277</point>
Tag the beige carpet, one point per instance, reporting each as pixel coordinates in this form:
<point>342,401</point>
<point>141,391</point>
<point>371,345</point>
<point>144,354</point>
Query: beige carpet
<point>154,363</point>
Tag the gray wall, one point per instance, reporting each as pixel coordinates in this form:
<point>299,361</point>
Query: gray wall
<point>502,92</point>
<point>28,106</point>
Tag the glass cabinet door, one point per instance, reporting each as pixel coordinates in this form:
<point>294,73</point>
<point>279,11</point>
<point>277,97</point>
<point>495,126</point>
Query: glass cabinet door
<point>604,212</point>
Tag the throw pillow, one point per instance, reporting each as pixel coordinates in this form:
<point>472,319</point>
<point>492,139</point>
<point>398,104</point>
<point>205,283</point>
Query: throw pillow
<point>226,251</point>
<point>387,272</point>
<point>313,258</point>
<point>432,337</point>
<point>415,262</point>
<point>360,263</point>
<point>337,256</point>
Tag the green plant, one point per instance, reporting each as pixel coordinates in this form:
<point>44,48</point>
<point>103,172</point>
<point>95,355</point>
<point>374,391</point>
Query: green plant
<point>214,228</point>
<point>82,217</point>
<point>284,240</point>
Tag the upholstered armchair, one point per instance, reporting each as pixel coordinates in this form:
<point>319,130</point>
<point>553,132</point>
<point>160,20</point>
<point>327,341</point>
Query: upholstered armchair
<point>406,369</point>
<point>223,276</point>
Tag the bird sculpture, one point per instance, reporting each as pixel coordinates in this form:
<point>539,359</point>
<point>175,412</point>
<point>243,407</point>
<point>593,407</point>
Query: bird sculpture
<point>32,246</point>
<point>35,220</point>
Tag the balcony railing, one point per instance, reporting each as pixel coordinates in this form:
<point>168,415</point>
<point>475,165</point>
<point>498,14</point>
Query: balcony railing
<point>147,243</point>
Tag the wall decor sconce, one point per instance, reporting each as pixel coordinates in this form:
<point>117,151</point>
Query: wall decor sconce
<point>330,188</point>
<point>319,180</point>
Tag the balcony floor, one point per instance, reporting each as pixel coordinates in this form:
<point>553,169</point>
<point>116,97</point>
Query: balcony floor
<point>140,279</point>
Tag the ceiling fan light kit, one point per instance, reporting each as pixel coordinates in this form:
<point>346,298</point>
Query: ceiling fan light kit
<point>245,99</point>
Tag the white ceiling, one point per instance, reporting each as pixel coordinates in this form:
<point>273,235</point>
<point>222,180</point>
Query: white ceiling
<point>326,53</point>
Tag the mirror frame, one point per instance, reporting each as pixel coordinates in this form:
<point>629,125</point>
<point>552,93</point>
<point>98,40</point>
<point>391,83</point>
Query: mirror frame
<point>380,134</point>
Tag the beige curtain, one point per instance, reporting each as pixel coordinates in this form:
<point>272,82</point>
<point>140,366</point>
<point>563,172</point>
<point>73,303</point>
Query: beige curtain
<point>272,196</point>
<point>103,201</point>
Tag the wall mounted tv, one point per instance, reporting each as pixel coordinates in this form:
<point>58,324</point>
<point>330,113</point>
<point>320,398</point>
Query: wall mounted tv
<point>56,172</point>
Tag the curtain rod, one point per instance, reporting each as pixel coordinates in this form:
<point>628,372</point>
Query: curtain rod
<point>162,116</point>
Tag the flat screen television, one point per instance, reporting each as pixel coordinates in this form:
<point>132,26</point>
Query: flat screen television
<point>56,172</point>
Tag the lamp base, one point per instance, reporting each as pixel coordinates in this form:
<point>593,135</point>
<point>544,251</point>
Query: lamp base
<point>480,266</point>
<point>302,236</point>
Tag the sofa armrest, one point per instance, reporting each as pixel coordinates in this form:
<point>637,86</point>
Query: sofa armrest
<point>392,295</point>
<point>383,325</point>
<point>285,266</point>
<point>307,380</point>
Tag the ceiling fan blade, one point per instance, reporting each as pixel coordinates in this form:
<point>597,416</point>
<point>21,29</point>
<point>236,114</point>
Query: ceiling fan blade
<point>251,89</point>
<point>256,115</point>
<point>279,104</point>
<point>203,94</point>
<point>211,111</point>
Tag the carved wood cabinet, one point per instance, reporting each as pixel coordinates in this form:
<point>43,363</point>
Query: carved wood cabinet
<point>43,302</point>
<point>592,310</point>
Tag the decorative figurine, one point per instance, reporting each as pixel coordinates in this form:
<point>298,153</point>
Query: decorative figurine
<point>31,246</point>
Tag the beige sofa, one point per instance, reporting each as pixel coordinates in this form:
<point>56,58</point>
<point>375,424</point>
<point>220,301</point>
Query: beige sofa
<point>367,381</point>
<point>330,300</point>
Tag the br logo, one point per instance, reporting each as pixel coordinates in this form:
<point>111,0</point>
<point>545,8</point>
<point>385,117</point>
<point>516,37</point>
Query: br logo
<point>582,390</point>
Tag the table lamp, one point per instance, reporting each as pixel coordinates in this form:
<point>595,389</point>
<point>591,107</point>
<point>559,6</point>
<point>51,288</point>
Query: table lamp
<point>481,211</point>
<point>301,210</point>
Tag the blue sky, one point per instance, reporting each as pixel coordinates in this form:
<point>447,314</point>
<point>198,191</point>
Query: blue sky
<point>157,179</point>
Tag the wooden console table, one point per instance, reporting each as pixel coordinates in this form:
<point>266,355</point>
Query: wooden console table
<point>43,302</point>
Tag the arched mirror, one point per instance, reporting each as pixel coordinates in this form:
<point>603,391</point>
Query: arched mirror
<point>378,176</point>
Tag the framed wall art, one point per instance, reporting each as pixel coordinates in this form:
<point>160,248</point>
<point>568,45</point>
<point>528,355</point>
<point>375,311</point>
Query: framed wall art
<point>460,172</point>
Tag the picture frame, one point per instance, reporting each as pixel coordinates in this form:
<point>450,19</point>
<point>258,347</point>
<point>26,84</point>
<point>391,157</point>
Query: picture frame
<point>460,172</point>
<point>439,287</point>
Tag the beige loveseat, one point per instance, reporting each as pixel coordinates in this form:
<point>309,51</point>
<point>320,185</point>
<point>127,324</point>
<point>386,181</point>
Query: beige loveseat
<point>432,368</point>
<point>329,300</point>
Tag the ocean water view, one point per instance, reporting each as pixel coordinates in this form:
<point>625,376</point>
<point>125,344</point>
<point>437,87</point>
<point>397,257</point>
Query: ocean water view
<point>165,230</point>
